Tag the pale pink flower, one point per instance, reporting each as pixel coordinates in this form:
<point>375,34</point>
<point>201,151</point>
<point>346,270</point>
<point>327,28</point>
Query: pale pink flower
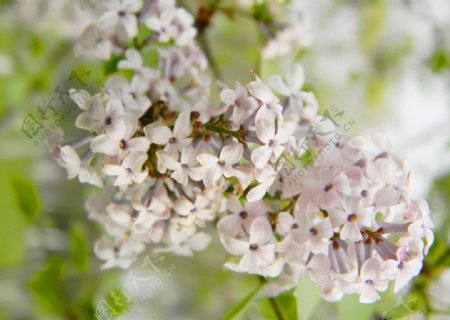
<point>175,140</point>
<point>216,167</point>
<point>272,141</point>
<point>258,251</point>
<point>243,104</point>
<point>129,171</point>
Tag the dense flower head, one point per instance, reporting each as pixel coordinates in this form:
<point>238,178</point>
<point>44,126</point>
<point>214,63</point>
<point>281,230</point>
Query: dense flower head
<point>173,163</point>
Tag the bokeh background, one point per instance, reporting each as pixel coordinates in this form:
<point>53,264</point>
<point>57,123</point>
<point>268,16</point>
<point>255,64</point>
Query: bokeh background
<point>385,63</point>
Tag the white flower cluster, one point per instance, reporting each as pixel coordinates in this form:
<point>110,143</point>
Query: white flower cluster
<point>121,20</point>
<point>290,33</point>
<point>171,162</point>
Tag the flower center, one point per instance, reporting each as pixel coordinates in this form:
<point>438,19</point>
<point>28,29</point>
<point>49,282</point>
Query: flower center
<point>172,140</point>
<point>108,121</point>
<point>134,214</point>
<point>352,217</point>
<point>328,187</point>
<point>253,247</point>
<point>243,214</point>
<point>122,144</point>
<point>314,231</point>
<point>221,163</point>
<point>381,155</point>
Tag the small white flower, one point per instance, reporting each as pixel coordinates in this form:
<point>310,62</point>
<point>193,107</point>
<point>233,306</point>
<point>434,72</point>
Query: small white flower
<point>150,211</point>
<point>75,167</point>
<point>129,171</point>
<point>107,118</point>
<point>243,104</point>
<point>273,142</point>
<point>372,280</point>
<point>241,217</point>
<point>116,255</point>
<point>270,102</point>
<point>258,251</point>
<point>266,177</point>
<point>352,219</point>
<point>317,235</point>
<point>120,145</point>
<point>186,240</point>
<point>291,86</point>
<point>95,42</point>
<point>121,13</point>
<point>134,95</point>
<point>182,169</point>
<point>175,141</point>
<point>173,23</point>
<point>81,97</point>
<point>143,75</point>
<point>326,187</point>
<point>194,212</point>
<point>215,167</point>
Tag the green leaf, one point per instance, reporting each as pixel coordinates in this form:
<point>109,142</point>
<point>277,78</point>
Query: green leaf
<point>46,287</point>
<point>441,61</point>
<point>111,65</point>
<point>241,307</point>
<point>27,197</point>
<point>151,58</point>
<point>288,305</point>
<point>79,248</point>
<point>350,308</point>
<point>308,297</point>
<point>12,221</point>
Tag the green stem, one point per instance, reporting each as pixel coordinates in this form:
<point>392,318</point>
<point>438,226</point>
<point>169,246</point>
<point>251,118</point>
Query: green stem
<point>273,302</point>
<point>219,129</point>
<point>444,256</point>
<point>204,45</point>
<point>276,308</point>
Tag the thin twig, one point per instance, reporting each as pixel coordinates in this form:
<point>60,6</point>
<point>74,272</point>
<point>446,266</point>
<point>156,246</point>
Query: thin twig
<point>204,45</point>
<point>276,308</point>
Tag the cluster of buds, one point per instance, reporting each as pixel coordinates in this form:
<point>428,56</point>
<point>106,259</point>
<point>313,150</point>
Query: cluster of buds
<point>173,163</point>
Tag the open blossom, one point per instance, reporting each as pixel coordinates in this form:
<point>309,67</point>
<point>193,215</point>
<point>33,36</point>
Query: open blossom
<point>326,187</point>
<point>106,115</point>
<point>216,167</point>
<point>183,169</point>
<point>120,144</point>
<point>291,86</point>
<point>174,140</point>
<point>258,251</point>
<point>129,171</point>
<point>133,96</point>
<point>241,217</point>
<point>94,41</point>
<point>122,13</point>
<point>243,104</point>
<point>76,167</point>
<point>173,162</point>
<point>172,23</point>
<point>316,235</point>
<point>143,75</point>
<point>352,218</point>
<point>372,281</point>
<point>272,141</point>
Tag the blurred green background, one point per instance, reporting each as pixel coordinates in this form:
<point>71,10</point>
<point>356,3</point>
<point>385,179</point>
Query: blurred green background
<point>387,64</point>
